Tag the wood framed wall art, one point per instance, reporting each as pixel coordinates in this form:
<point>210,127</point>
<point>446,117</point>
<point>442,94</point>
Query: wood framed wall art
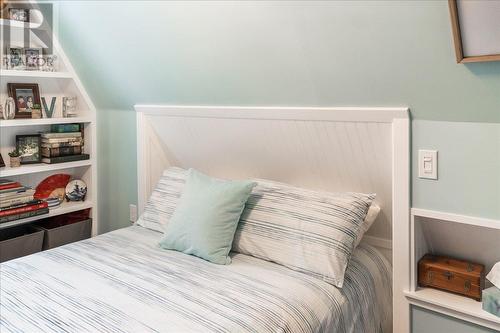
<point>476,30</point>
<point>29,148</point>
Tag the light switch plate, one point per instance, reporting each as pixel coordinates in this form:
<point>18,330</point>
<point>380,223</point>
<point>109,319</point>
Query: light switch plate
<point>428,164</point>
<point>133,213</point>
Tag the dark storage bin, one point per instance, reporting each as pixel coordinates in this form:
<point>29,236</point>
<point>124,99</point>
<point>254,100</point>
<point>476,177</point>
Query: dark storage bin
<point>60,233</point>
<point>20,241</point>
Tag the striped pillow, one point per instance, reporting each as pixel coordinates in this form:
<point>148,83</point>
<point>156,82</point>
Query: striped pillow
<point>308,231</point>
<point>163,200</point>
<point>280,223</point>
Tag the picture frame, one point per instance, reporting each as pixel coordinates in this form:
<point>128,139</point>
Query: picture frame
<point>2,163</point>
<point>19,14</point>
<point>29,148</point>
<point>3,9</point>
<point>32,58</point>
<point>26,95</point>
<point>479,24</point>
<point>16,59</point>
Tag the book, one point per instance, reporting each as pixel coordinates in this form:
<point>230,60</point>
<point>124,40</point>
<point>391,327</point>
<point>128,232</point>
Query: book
<point>62,140</point>
<point>62,144</point>
<point>9,203</point>
<point>63,159</point>
<point>9,186</point>
<point>5,181</point>
<point>61,135</point>
<point>14,190</point>
<point>24,209</point>
<point>25,215</point>
<point>65,128</point>
<point>13,195</point>
<point>20,205</point>
<point>62,151</point>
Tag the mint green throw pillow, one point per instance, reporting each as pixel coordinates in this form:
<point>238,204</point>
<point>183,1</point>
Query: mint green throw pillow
<point>205,220</point>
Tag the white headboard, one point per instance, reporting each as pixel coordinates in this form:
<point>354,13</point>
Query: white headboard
<point>336,149</point>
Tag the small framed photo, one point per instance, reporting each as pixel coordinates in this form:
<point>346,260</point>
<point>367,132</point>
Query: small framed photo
<point>29,149</point>
<point>2,163</point>
<point>19,14</point>
<point>32,56</point>
<point>16,59</point>
<point>26,96</point>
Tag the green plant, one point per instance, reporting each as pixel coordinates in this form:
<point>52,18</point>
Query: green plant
<point>14,153</point>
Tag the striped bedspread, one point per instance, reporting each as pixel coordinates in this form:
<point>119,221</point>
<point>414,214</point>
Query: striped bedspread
<point>122,282</point>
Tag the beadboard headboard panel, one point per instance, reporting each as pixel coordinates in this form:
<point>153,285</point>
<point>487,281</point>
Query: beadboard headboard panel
<point>334,149</point>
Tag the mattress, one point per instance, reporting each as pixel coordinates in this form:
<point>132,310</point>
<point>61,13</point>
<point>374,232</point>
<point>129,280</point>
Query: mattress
<point>122,282</point>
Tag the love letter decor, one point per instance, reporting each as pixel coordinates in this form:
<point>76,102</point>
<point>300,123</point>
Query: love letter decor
<point>49,111</point>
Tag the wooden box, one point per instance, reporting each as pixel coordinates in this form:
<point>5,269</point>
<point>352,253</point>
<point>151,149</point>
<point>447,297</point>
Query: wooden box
<point>453,275</point>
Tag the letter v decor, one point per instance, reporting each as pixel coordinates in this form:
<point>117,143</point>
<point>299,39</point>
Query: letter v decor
<point>49,112</point>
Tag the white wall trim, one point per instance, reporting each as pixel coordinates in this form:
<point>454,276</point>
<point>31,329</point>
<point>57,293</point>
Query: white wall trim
<point>401,235</point>
<point>360,114</point>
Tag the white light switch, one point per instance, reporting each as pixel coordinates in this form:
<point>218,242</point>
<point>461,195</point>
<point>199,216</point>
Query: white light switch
<point>133,213</point>
<point>427,164</point>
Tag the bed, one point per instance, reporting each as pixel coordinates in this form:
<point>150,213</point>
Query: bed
<point>122,282</point>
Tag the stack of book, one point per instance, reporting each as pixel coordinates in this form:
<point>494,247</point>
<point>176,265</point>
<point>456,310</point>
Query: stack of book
<point>63,144</point>
<point>17,202</point>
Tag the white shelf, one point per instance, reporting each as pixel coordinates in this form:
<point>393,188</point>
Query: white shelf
<point>453,305</point>
<point>19,24</point>
<point>43,121</point>
<point>455,218</point>
<point>41,167</point>
<point>35,74</point>
<point>66,207</point>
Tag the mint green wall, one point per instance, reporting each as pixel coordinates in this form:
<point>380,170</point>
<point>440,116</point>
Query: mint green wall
<point>425,321</point>
<point>468,170</point>
<point>294,54</point>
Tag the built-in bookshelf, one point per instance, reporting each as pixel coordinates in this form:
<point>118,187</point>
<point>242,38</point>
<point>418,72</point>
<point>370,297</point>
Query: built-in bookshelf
<point>471,238</point>
<point>63,82</point>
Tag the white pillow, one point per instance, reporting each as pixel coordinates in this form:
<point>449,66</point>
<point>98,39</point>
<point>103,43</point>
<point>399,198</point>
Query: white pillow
<point>308,231</point>
<point>371,216</point>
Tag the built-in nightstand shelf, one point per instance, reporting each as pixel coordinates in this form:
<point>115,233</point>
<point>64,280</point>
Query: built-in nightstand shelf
<point>462,219</point>
<point>454,306</point>
<point>474,239</point>
<point>43,121</point>
<point>66,207</point>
